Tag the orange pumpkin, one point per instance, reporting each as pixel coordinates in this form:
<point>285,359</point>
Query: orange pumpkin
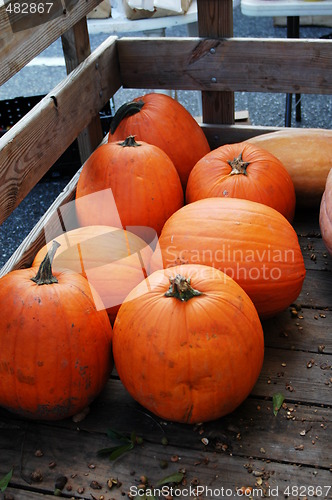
<point>128,184</point>
<point>188,344</point>
<point>243,171</point>
<point>249,241</point>
<point>113,260</point>
<point>55,343</point>
<point>160,120</point>
<point>325,214</point>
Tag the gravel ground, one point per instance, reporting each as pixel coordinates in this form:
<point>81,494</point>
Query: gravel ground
<point>264,109</point>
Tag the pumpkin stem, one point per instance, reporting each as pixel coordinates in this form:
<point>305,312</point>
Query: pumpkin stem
<point>129,142</point>
<point>238,165</point>
<point>44,275</point>
<point>127,109</point>
<point>180,288</point>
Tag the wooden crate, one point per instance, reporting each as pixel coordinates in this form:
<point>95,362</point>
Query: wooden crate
<point>288,455</point>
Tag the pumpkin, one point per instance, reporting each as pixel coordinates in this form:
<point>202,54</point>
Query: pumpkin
<point>243,171</point>
<point>249,241</point>
<point>55,342</point>
<point>325,214</point>
<point>128,184</point>
<point>112,259</point>
<point>161,120</point>
<point>188,344</point>
<point>307,156</point>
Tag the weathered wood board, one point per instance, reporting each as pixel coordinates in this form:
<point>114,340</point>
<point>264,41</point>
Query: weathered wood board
<point>233,64</point>
<point>32,146</point>
<point>38,30</point>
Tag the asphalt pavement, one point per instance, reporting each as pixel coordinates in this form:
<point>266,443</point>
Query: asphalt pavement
<point>264,109</point>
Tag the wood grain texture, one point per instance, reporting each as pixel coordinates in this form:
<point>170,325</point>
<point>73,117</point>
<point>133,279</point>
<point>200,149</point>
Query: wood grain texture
<point>315,255</point>
<point>76,48</point>
<point>74,452</point>
<point>234,64</point>
<point>317,290</point>
<point>245,432</point>
<point>17,49</point>
<point>33,145</point>
<point>287,371</point>
<point>215,20</point>
<point>309,331</point>
<point>220,134</point>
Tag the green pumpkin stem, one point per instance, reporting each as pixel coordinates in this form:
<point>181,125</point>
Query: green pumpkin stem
<point>238,165</point>
<point>129,142</point>
<point>44,275</point>
<point>180,288</point>
<point>127,109</point>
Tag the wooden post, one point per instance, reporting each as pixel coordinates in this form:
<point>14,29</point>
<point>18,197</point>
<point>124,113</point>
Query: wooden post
<point>215,19</point>
<point>76,47</point>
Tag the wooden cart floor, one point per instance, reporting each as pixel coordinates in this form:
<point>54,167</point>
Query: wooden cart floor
<point>278,456</point>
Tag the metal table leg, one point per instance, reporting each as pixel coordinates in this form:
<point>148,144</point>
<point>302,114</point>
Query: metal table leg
<point>293,31</point>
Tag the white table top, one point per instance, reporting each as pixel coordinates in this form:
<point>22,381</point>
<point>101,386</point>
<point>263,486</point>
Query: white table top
<point>286,8</point>
<point>119,23</point>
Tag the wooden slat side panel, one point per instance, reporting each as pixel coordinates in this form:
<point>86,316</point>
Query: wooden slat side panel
<point>218,134</point>
<point>76,47</point>
<point>18,48</point>
<point>58,218</point>
<point>215,20</point>
<point>33,145</point>
<point>235,64</point>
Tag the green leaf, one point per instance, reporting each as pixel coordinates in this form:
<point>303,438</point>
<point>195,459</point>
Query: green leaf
<point>278,399</point>
<point>115,452</point>
<point>118,436</point>
<point>133,437</point>
<point>106,451</point>
<point>173,478</point>
<point>4,481</point>
<point>120,450</point>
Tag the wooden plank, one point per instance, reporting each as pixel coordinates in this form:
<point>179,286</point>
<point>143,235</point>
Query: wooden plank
<point>215,20</point>
<point>245,431</point>
<point>315,255</point>
<point>59,217</point>
<point>33,145</point>
<point>306,223</point>
<point>218,135</point>
<point>317,290</point>
<point>288,372</point>
<point>74,455</point>
<point>20,47</point>
<point>15,494</point>
<point>310,331</point>
<point>235,64</point>
<point>76,47</point>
